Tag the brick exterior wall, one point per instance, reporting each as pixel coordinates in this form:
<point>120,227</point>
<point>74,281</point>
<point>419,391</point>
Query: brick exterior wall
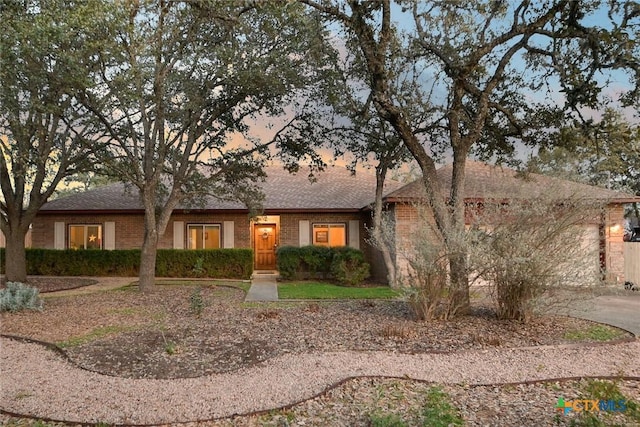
<point>290,230</point>
<point>129,228</point>
<point>612,247</point>
<point>614,243</point>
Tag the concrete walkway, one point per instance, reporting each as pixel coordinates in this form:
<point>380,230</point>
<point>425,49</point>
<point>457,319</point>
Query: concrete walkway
<point>263,287</point>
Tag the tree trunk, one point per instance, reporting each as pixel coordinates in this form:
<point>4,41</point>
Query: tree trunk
<point>378,233</point>
<point>456,244</point>
<point>147,277</point>
<point>15,256</point>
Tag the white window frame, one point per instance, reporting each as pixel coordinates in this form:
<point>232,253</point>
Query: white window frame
<point>86,235</point>
<point>202,226</point>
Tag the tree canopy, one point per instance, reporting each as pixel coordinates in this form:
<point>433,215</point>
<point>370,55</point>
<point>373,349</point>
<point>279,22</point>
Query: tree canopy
<point>181,79</point>
<point>47,50</point>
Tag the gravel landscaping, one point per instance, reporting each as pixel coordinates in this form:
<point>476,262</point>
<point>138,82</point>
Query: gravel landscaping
<point>195,339</point>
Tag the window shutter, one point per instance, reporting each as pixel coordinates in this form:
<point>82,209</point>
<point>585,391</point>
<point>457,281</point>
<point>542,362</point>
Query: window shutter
<point>304,233</point>
<point>178,235</point>
<point>229,233</point>
<point>109,235</point>
<point>58,235</point>
<point>354,234</point>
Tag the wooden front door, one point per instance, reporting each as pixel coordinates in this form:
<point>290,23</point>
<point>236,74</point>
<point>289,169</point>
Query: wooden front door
<point>264,237</point>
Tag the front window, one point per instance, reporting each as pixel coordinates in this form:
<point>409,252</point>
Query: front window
<point>85,236</point>
<point>203,236</point>
<point>330,235</point>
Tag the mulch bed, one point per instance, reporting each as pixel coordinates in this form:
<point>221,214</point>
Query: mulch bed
<point>159,335</point>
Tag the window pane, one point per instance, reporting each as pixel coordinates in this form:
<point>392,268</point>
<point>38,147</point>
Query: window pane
<point>212,237</point>
<point>329,234</point>
<point>76,237</point>
<point>337,235</point>
<point>195,237</point>
<point>94,237</point>
<point>203,236</point>
<point>321,234</point>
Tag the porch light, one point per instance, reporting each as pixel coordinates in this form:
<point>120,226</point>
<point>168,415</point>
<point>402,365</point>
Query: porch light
<point>615,228</point>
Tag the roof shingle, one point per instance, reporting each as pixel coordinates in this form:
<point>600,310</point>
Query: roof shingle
<point>486,181</point>
<point>334,189</point>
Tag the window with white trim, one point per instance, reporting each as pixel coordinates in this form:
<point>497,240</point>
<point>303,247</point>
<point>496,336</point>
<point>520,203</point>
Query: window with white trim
<point>330,235</point>
<point>85,236</point>
<point>203,236</point>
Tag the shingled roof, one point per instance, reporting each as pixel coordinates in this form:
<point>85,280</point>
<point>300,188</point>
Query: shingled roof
<point>486,181</point>
<point>335,189</point>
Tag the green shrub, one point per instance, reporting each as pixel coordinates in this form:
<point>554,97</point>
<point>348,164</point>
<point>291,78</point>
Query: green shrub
<point>348,266</point>
<point>316,259</point>
<point>214,263</point>
<point>289,262</point>
<point>18,296</point>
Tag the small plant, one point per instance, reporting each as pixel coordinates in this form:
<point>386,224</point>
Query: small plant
<point>198,267</point>
<point>18,296</point>
<point>610,391</point>
<point>170,347</point>
<point>605,390</point>
<point>197,301</point>
<point>439,412</point>
<point>386,420</point>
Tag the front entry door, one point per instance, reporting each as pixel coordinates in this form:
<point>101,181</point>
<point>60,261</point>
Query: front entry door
<point>264,236</point>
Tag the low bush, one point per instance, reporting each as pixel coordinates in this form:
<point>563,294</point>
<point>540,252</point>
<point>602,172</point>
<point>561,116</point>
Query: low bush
<point>289,262</point>
<point>213,263</point>
<point>348,266</point>
<point>344,264</point>
<point>17,296</point>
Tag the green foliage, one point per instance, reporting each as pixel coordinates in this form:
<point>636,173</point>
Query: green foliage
<point>316,290</point>
<point>196,302</point>
<point>216,263</point>
<point>438,411</point>
<point>289,262</point>
<point>347,265</point>
<point>198,267</point>
<point>49,51</point>
<point>594,333</point>
<point>386,420</point>
<point>317,259</point>
<point>602,389</point>
<point>95,334</point>
<point>17,296</point>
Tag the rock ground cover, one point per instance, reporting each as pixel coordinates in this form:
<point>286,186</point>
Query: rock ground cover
<point>163,335</point>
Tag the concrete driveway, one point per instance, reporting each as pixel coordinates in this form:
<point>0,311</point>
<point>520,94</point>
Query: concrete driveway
<point>621,310</point>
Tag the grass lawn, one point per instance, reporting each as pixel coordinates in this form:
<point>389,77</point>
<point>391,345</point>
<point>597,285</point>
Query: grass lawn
<point>318,290</point>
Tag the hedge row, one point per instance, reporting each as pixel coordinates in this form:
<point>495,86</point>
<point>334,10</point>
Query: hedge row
<point>213,263</point>
<point>344,264</point>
